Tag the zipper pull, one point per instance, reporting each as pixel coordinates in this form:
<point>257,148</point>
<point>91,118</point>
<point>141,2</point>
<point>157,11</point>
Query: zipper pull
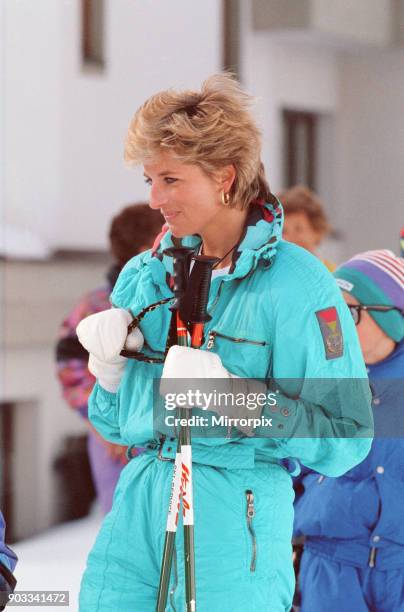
<point>211,340</point>
<point>372,557</point>
<point>250,504</point>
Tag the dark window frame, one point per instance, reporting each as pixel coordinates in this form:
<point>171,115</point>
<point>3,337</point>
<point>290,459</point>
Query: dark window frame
<point>92,33</point>
<point>231,36</point>
<point>293,120</point>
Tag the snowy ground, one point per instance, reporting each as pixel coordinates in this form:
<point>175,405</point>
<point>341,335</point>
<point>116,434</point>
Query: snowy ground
<point>55,561</point>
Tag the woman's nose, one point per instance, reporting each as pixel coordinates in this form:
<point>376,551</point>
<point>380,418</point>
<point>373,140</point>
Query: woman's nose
<point>157,196</point>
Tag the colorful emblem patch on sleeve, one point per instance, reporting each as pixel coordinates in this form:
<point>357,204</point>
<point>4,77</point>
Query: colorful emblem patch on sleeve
<point>330,328</point>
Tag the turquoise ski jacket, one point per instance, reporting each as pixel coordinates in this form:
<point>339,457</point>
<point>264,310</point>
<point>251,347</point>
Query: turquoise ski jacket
<point>277,315</point>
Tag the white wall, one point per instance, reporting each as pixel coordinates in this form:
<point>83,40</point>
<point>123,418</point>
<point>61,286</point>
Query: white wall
<point>36,298</point>
<point>151,45</point>
<point>368,21</point>
<point>32,119</point>
<point>281,74</point>
<point>360,96</point>
<point>370,163</point>
<point>65,126</point>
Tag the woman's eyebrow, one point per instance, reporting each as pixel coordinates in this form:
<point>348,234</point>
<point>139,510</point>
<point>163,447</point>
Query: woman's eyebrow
<point>165,173</point>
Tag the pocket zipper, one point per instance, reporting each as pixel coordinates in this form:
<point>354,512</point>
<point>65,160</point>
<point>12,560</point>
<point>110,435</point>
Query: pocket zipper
<point>250,516</point>
<point>212,335</point>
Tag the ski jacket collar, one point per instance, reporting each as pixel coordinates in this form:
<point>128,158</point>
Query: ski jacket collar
<point>259,241</point>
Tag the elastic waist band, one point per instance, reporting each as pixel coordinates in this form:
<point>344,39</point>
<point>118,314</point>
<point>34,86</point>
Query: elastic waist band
<point>358,554</point>
<point>228,455</point>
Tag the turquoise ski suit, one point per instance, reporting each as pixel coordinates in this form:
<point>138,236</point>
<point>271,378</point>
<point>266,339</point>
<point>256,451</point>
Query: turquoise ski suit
<point>264,325</point>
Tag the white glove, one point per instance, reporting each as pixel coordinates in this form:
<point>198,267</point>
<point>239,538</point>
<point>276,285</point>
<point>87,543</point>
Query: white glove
<point>183,362</point>
<point>104,335</point>
<point>108,373</point>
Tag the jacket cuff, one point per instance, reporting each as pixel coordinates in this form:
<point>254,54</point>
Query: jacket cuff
<point>104,393</point>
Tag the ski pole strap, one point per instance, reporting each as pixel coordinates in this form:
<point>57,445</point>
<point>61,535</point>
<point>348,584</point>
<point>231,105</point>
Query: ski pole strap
<point>137,318</point>
<point>135,323</point>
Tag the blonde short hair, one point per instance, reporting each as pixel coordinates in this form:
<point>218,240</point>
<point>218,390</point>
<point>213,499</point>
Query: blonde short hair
<point>211,128</point>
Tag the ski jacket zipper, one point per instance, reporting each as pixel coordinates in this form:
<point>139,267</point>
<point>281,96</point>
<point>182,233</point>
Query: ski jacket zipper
<point>250,516</point>
<point>219,291</point>
<point>215,301</point>
<point>212,335</point>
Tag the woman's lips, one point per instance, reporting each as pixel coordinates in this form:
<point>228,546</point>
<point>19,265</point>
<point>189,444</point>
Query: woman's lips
<point>170,216</point>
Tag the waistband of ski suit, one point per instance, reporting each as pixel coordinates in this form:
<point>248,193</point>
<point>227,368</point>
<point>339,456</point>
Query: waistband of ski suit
<point>375,553</point>
<point>232,455</point>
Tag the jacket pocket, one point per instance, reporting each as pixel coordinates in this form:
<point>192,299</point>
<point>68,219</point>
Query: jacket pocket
<point>250,513</point>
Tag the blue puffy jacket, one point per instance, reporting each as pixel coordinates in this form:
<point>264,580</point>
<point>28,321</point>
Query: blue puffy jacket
<point>265,324</point>
<point>358,518</point>
<point>277,315</point>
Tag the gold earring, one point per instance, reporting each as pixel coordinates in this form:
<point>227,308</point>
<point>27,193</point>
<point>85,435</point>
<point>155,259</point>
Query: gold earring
<point>225,198</point>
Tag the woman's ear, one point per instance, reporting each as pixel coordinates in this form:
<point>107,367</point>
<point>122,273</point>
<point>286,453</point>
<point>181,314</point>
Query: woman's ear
<point>226,177</point>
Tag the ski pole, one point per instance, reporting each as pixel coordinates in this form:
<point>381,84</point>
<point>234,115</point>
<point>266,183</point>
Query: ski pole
<point>181,257</point>
<point>201,276</point>
<point>181,490</point>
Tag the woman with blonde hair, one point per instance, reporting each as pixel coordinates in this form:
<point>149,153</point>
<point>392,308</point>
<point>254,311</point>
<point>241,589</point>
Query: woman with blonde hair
<point>275,314</point>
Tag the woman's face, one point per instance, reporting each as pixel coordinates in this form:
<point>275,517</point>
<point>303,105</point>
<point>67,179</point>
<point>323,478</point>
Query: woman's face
<point>188,198</point>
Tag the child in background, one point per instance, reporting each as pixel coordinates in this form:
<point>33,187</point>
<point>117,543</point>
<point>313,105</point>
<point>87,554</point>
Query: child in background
<point>306,223</point>
<point>353,558</point>
<point>132,231</point>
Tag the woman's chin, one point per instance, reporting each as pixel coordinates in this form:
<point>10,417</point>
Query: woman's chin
<point>177,232</point>
<point>180,232</point>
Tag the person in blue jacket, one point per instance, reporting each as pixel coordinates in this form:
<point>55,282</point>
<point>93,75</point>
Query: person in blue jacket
<point>8,561</point>
<point>353,558</point>
<point>278,321</point>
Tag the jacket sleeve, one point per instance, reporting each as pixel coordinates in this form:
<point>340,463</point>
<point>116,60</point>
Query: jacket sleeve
<point>323,411</point>
<point>103,412</point>
<point>103,406</point>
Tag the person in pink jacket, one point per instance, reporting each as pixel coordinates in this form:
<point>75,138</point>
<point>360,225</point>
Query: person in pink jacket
<point>131,232</point>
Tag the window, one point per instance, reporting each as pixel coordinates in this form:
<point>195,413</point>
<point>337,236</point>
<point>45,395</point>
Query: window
<point>300,133</point>
<point>231,36</point>
<point>92,32</point>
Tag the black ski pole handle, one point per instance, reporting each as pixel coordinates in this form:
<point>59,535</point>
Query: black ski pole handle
<point>181,261</point>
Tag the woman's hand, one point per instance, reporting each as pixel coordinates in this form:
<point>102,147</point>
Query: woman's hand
<point>188,363</point>
<point>104,335</point>
<point>185,362</point>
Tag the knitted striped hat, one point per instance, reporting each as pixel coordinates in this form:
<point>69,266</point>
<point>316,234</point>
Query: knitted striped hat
<point>377,277</point>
